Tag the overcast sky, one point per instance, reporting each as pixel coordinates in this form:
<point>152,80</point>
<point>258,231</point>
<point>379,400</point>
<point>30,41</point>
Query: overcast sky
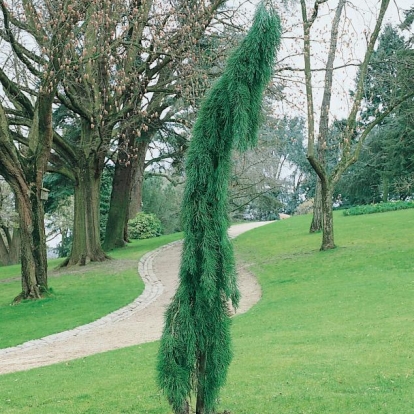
<point>358,20</point>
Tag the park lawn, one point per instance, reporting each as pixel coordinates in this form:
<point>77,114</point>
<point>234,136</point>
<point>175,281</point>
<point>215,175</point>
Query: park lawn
<point>13,271</point>
<point>333,333</point>
<point>79,295</point>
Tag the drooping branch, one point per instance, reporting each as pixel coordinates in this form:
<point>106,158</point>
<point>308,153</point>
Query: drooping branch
<point>24,55</point>
<point>7,148</point>
<point>15,95</point>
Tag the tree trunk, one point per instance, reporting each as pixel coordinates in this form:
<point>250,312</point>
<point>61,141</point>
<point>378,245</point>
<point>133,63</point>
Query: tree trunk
<point>135,198</point>
<point>15,247</point>
<point>185,409</point>
<point>26,186</point>
<point>317,220</point>
<point>86,243</point>
<point>27,189</point>
<point>118,209</point>
<point>39,236</point>
<point>200,404</point>
<point>30,285</point>
<point>385,188</point>
<point>327,217</point>
<point>126,196</point>
<point>4,252</point>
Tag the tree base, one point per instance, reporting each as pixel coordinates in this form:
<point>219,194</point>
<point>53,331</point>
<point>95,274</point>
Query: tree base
<point>327,247</point>
<point>117,244</point>
<point>38,293</point>
<point>83,260</point>
<point>312,230</point>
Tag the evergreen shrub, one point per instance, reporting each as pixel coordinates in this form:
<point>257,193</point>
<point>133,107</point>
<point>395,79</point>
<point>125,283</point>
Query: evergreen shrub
<point>144,226</point>
<point>378,208</point>
<point>195,349</point>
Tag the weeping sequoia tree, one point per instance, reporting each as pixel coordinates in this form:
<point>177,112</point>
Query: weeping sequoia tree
<point>195,349</point>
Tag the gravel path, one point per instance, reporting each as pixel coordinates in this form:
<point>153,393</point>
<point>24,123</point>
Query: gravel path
<point>139,322</point>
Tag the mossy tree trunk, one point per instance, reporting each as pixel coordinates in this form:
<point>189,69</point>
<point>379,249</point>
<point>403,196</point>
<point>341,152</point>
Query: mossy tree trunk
<point>15,247</point>
<point>115,235</point>
<point>86,242</point>
<point>118,211</point>
<point>10,246</point>
<point>4,253</point>
<point>137,180</point>
<point>25,177</point>
<point>29,262</point>
<point>126,195</point>
<point>24,169</point>
<point>33,246</point>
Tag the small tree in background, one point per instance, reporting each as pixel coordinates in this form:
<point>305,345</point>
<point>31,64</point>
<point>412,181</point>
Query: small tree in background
<point>195,349</point>
<point>353,135</point>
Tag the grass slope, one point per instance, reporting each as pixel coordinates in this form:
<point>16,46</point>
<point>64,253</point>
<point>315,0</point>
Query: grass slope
<point>80,295</point>
<point>333,333</point>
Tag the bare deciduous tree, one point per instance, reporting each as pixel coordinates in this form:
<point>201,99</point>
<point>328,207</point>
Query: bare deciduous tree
<point>353,135</point>
<point>37,42</point>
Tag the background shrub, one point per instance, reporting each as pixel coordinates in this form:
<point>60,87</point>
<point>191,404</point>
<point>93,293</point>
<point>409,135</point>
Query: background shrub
<point>144,226</point>
<point>305,208</point>
<point>378,208</point>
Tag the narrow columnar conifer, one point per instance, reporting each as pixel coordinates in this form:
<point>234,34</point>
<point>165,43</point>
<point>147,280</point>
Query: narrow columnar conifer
<point>195,349</point>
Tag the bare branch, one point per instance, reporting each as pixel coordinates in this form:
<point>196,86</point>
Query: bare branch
<point>169,178</point>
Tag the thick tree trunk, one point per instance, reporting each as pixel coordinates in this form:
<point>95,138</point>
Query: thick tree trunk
<point>135,197</point>
<point>317,220</point>
<point>126,196</point>
<point>7,247</point>
<point>27,190</point>
<point>327,212</point>
<point>24,170</point>
<point>4,252</point>
<point>15,247</point>
<point>86,243</point>
<point>39,236</point>
<point>119,207</point>
<point>30,286</point>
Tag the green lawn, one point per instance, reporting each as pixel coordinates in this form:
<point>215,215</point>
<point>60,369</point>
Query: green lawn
<point>333,333</point>
<point>80,295</point>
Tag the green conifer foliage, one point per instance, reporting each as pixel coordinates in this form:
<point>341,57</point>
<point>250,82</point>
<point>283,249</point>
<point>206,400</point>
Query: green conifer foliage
<point>195,349</point>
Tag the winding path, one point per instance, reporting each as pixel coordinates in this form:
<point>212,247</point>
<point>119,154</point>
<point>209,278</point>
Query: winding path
<point>138,323</point>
